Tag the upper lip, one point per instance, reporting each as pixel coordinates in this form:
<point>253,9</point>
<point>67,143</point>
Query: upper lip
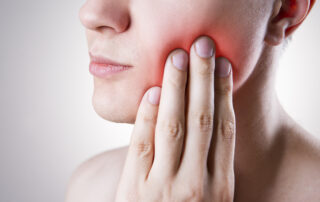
<point>104,60</point>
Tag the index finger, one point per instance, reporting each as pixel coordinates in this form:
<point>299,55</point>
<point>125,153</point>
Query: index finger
<point>171,117</point>
<point>141,148</point>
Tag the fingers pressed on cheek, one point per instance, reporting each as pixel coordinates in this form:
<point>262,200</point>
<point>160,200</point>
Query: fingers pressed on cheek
<point>200,107</point>
<point>223,67</point>
<point>170,127</point>
<point>223,142</point>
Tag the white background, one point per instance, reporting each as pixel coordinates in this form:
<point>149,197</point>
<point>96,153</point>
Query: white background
<point>47,123</point>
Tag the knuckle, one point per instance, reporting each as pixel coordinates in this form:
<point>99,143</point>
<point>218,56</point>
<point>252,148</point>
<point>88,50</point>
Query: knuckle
<point>226,128</point>
<point>225,194</point>
<point>142,149</point>
<point>149,118</point>
<point>223,89</point>
<point>205,68</point>
<point>224,188</point>
<point>203,120</point>
<point>195,194</point>
<point>176,80</point>
<point>171,129</point>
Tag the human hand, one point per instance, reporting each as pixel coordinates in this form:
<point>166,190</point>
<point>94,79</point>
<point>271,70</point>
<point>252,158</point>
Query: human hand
<point>183,148</point>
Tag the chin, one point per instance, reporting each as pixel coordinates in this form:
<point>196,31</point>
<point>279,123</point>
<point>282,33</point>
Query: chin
<point>118,111</point>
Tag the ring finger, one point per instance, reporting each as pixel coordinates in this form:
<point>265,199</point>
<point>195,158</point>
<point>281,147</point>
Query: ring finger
<point>200,110</point>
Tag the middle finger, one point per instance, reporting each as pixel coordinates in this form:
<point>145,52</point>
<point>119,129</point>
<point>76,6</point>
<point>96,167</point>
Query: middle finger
<point>200,111</point>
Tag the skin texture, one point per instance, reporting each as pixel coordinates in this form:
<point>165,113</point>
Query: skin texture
<point>157,165</point>
<point>144,40</point>
<point>275,158</point>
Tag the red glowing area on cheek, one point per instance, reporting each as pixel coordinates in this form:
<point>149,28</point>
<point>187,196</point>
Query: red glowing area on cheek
<point>168,29</point>
<point>159,50</point>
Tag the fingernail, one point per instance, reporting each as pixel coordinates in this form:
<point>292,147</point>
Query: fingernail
<point>180,60</point>
<point>204,47</point>
<point>154,95</point>
<point>223,67</point>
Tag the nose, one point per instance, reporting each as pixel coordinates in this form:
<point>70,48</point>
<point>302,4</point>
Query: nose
<point>100,14</point>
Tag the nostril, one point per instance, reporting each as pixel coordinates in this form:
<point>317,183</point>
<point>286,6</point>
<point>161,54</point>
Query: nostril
<point>124,23</point>
<point>118,24</point>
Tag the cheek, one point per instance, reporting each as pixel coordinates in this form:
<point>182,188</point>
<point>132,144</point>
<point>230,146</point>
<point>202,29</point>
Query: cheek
<point>237,40</point>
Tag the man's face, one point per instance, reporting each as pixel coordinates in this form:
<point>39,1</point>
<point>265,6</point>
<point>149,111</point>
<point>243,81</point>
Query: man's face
<point>157,27</point>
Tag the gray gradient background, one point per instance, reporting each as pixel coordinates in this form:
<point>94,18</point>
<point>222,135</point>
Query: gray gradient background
<point>47,123</point>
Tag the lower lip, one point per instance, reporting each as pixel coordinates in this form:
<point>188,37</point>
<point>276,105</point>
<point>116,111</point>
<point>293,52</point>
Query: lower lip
<point>105,70</point>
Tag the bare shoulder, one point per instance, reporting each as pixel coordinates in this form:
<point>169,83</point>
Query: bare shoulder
<point>97,178</point>
<point>304,145</point>
<point>299,175</point>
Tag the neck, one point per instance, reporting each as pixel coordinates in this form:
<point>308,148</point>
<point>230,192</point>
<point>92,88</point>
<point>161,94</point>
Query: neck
<point>260,118</point>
